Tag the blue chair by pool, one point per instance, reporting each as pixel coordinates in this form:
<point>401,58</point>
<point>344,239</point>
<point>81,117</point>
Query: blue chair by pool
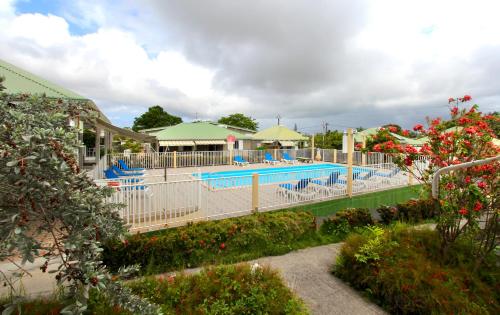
<point>125,167</point>
<point>297,192</point>
<point>269,159</point>
<point>287,159</point>
<point>355,175</point>
<point>109,174</point>
<point>238,160</point>
<point>368,175</point>
<point>332,180</point>
<point>392,173</point>
<point>119,172</point>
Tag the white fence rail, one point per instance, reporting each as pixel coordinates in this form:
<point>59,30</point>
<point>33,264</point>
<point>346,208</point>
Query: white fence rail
<point>152,203</point>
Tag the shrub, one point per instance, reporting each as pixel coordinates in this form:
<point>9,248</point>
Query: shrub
<point>211,242</point>
<point>413,278</point>
<point>344,221</point>
<point>233,289</point>
<point>412,211</point>
<point>225,289</point>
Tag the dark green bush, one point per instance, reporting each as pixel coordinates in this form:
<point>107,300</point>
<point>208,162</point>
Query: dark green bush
<point>410,277</point>
<point>211,242</point>
<point>345,220</point>
<point>412,211</point>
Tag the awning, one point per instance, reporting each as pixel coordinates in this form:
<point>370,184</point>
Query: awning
<point>176,143</point>
<point>207,142</point>
<point>287,143</point>
<point>267,141</point>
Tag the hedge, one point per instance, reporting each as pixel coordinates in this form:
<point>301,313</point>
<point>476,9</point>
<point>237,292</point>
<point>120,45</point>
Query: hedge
<point>403,272</point>
<point>212,242</point>
<point>345,220</point>
<point>412,211</point>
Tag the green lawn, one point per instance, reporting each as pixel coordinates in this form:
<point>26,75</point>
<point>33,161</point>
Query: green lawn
<point>370,201</point>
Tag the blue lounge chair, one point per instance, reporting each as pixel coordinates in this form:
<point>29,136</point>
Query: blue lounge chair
<point>269,159</point>
<point>355,176</point>
<point>392,173</point>
<point>368,175</point>
<point>332,180</point>
<point>296,192</point>
<point>109,174</point>
<point>122,173</point>
<point>287,159</point>
<point>238,160</point>
<point>125,167</point>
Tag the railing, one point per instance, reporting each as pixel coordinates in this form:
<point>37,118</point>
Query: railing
<point>152,202</point>
<point>98,171</point>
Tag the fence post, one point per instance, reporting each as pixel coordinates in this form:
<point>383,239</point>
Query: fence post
<point>334,155</point>
<point>230,157</point>
<point>175,159</point>
<point>410,175</point>
<point>349,162</point>
<point>199,190</point>
<point>363,155</point>
<point>275,154</point>
<point>255,192</point>
<point>312,148</point>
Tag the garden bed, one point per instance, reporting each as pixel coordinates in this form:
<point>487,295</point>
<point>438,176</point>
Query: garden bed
<point>403,271</point>
<point>213,242</point>
<point>225,289</point>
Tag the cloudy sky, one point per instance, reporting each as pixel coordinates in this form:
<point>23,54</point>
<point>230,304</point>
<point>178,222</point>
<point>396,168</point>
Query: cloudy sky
<point>348,63</point>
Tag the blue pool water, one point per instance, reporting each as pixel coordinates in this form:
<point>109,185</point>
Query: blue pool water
<point>243,177</point>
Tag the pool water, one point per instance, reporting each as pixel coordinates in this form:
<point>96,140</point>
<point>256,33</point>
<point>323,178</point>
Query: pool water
<point>243,177</point>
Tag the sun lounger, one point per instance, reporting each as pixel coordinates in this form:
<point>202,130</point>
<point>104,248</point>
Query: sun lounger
<point>125,167</point>
<point>109,174</point>
<point>297,192</point>
<point>119,172</point>
<point>238,160</point>
<point>287,159</point>
<point>269,159</point>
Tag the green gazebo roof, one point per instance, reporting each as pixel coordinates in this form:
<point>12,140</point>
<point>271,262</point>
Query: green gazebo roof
<point>278,133</point>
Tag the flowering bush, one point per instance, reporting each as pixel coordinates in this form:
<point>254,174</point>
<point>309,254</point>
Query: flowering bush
<point>466,195</point>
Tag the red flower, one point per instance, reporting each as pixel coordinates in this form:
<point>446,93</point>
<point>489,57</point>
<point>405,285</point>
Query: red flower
<point>451,99</point>
<point>222,246</point>
<point>454,110</point>
<point>481,185</point>
<point>450,186</point>
<point>467,179</point>
<point>405,133</point>
<point>377,147</point>
<point>463,211</point>
<point>466,98</point>
<point>408,161</point>
<point>418,127</point>
<point>393,129</point>
<point>478,206</point>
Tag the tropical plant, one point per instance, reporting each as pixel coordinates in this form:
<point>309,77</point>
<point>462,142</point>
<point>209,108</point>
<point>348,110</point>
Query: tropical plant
<point>51,210</point>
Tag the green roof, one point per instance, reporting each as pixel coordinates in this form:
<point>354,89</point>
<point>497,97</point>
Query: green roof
<point>200,130</point>
<point>277,133</point>
<point>18,80</point>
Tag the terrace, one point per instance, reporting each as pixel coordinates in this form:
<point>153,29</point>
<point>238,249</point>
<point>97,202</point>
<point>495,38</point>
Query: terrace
<point>178,188</point>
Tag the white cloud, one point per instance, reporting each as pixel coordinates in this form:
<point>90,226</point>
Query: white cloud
<point>328,60</point>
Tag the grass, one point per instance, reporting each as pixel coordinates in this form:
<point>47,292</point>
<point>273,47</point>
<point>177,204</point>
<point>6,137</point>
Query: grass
<point>368,201</point>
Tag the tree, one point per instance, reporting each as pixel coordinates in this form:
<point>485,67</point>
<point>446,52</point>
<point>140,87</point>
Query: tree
<point>495,124</point>
<point>468,197</point>
<point>51,210</point>
<point>330,140</point>
<point>155,117</point>
<point>239,120</point>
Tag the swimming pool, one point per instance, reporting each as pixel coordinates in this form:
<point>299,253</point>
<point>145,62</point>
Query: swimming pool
<point>243,177</point>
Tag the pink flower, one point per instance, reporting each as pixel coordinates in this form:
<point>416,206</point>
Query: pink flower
<point>451,99</point>
<point>454,110</point>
